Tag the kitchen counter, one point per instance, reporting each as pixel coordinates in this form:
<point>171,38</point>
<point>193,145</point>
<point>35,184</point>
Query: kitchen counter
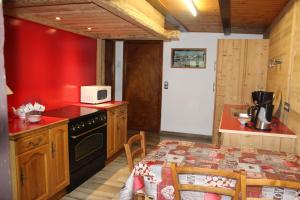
<point>230,123</point>
<point>19,127</point>
<point>234,134</point>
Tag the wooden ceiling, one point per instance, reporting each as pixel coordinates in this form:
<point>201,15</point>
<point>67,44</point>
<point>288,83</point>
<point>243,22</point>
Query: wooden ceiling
<point>246,16</point>
<point>107,19</point>
<point>147,19</point>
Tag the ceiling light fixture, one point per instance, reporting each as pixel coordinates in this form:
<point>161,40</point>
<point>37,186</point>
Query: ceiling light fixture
<point>57,18</point>
<point>89,28</point>
<point>191,6</point>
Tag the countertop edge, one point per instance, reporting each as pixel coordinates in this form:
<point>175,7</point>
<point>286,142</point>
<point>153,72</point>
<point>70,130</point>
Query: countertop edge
<point>16,135</point>
<point>258,133</point>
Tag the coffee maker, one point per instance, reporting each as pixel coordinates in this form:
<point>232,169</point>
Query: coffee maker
<point>262,110</point>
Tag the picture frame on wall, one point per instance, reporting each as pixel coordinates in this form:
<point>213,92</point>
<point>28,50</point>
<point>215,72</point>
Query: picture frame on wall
<point>194,58</point>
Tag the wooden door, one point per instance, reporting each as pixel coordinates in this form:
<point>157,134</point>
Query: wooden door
<point>110,65</point>
<point>33,169</point>
<point>59,158</point>
<point>142,84</point>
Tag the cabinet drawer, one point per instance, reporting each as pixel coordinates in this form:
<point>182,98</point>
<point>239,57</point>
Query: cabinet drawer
<point>31,142</point>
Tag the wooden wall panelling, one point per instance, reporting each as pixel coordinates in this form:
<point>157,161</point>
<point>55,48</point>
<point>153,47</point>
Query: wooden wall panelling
<point>255,73</point>
<point>293,120</point>
<point>284,36</point>
<point>280,44</point>
<point>229,77</point>
<point>295,56</point>
<point>241,69</point>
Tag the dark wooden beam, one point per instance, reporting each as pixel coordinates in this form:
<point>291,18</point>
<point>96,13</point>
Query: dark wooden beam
<point>225,15</point>
<point>168,17</point>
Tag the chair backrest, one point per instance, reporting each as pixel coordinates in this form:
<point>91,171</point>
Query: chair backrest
<point>233,192</point>
<point>264,182</point>
<point>132,154</point>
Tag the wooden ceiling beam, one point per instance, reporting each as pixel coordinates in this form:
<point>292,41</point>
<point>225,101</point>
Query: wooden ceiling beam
<point>141,14</point>
<point>225,15</point>
<point>170,19</point>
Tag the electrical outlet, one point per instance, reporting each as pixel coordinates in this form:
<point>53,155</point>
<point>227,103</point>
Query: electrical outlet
<point>286,106</point>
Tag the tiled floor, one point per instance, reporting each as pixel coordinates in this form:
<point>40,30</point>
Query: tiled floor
<point>106,184</point>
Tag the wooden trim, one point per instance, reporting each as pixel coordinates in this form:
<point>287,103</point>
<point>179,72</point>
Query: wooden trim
<point>225,15</point>
<point>110,77</point>
<point>99,65</point>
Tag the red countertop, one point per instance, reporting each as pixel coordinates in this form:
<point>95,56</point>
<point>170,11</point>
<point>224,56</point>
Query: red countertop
<point>18,126</point>
<point>230,124</point>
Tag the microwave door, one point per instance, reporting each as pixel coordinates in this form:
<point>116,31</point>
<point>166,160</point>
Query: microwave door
<point>101,94</point>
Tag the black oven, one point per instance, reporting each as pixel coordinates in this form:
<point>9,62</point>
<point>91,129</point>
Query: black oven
<point>87,147</point>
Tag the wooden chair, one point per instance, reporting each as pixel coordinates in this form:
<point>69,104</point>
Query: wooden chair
<point>132,154</point>
<point>264,182</point>
<point>234,193</point>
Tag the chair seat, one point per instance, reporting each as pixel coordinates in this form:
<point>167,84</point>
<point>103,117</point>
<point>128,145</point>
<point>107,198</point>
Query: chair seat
<point>267,192</point>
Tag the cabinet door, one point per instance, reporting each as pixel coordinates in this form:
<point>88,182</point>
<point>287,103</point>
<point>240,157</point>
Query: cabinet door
<point>111,123</point>
<point>33,171</point>
<point>59,158</point>
<point>121,132</point>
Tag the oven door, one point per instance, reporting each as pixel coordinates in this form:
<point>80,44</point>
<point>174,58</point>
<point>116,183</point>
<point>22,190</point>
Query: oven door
<point>87,146</point>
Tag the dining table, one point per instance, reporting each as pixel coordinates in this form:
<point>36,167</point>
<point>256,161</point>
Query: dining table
<point>152,176</point>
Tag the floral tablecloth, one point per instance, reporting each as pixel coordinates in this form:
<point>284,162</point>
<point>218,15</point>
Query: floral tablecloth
<point>152,176</point>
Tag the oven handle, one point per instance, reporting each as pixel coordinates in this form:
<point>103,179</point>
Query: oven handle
<point>84,133</point>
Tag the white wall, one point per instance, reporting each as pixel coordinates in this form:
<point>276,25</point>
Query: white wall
<point>188,104</point>
<point>119,70</point>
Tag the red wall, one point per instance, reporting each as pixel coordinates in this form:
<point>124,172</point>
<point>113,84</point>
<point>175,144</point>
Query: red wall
<point>45,64</point>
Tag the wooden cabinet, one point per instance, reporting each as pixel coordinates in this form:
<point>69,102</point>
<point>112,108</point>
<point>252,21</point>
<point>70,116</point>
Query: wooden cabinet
<point>34,173</point>
<point>116,129</point>
<point>265,141</point>
<point>59,158</point>
<point>40,163</point>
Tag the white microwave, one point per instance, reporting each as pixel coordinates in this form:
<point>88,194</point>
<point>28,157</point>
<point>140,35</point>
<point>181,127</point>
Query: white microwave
<point>95,94</point>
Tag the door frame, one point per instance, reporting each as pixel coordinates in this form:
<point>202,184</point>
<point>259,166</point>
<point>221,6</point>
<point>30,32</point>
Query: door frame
<point>160,59</point>
<point>111,75</point>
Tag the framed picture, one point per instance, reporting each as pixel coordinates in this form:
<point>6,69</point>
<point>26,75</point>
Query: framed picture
<point>188,58</point>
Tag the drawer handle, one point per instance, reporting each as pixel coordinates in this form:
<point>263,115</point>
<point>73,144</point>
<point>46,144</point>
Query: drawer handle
<point>34,144</point>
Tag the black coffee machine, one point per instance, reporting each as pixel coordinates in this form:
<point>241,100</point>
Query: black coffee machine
<point>262,110</point>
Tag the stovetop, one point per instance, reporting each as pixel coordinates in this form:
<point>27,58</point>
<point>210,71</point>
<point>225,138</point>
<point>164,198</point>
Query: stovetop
<point>70,112</point>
